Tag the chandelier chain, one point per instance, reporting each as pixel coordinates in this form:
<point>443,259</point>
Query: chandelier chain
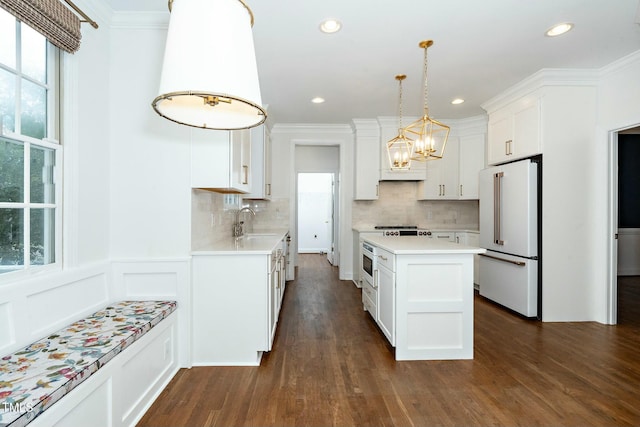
<point>424,76</point>
<point>400,103</point>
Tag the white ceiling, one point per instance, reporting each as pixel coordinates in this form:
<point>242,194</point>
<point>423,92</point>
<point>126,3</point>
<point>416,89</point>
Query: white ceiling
<point>480,49</point>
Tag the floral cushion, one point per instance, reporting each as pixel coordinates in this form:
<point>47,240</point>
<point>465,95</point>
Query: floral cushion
<point>34,378</point>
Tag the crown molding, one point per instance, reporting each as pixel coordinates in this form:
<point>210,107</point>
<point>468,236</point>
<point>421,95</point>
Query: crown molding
<point>625,61</point>
<point>290,128</point>
<point>98,11</point>
<point>140,20</point>
<point>540,79</point>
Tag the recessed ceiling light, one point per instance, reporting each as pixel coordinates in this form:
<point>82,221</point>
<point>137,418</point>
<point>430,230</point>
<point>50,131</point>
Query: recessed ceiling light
<point>559,29</point>
<point>457,101</point>
<point>330,26</point>
<point>317,100</point>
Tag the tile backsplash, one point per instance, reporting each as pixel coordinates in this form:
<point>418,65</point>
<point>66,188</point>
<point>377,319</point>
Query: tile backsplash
<point>213,215</point>
<point>397,204</point>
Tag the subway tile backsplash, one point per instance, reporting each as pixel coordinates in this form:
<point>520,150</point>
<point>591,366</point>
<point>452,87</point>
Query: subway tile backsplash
<point>397,204</point>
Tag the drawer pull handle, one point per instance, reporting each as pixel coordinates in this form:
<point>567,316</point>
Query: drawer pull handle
<point>384,258</point>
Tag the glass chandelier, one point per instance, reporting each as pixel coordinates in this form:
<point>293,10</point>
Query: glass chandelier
<point>209,74</point>
<point>399,148</point>
<point>431,135</point>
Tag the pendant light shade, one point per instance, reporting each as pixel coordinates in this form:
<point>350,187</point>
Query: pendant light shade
<point>431,135</point>
<point>209,74</point>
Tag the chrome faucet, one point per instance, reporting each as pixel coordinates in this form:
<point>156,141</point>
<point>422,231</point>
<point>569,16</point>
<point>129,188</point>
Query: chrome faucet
<point>238,229</point>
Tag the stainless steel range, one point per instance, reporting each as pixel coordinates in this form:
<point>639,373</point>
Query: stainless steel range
<point>402,230</point>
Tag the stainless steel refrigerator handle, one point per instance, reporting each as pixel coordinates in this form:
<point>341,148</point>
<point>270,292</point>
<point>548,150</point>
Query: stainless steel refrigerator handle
<point>496,207</point>
<point>520,263</point>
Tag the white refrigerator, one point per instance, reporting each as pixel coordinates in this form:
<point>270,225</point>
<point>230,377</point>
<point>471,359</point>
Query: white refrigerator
<point>508,271</point>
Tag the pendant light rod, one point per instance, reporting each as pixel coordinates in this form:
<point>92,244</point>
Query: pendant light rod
<point>170,6</point>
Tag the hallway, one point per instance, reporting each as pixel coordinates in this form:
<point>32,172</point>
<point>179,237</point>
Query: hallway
<point>330,365</point>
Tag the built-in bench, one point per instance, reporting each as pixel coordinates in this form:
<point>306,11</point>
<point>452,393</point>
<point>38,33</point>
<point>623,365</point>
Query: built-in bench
<point>43,374</point>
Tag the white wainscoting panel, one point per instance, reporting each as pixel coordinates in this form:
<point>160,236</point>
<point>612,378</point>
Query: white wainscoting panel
<point>159,279</point>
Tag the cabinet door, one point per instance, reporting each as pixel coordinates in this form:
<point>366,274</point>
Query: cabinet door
<point>387,303</point>
<point>499,139</point>
<point>441,180</point>
<point>260,164</point>
<point>366,159</point>
<point>471,163</point>
<point>526,131</point>
<point>273,303</point>
<point>240,177</point>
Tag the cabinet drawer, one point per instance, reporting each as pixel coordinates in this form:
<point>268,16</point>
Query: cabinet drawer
<point>385,259</point>
<point>370,299</point>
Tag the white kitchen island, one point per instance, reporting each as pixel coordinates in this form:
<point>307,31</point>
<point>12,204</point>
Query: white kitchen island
<point>425,296</point>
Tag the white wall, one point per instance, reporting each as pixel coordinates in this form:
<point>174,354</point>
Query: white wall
<point>150,157</point>
<point>618,108</point>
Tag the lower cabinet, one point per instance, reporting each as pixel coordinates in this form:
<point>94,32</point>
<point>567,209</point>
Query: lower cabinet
<point>236,300</point>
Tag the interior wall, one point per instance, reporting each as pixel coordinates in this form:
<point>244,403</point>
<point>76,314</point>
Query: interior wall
<point>618,108</point>
<point>150,156</point>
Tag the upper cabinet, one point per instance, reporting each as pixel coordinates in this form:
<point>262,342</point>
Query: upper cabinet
<point>455,176</point>
<point>221,160</point>
<point>514,131</point>
<point>366,159</point>
<point>260,164</point>
<point>388,131</point>
<point>441,180</point>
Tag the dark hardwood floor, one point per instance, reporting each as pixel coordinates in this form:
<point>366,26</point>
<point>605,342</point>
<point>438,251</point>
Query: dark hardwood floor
<point>332,366</point>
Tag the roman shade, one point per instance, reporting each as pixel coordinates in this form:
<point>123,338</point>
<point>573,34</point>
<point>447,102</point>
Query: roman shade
<point>50,18</point>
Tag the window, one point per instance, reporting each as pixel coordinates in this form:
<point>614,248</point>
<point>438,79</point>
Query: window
<point>29,191</point>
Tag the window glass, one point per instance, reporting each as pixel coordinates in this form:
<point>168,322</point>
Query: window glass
<point>8,37</point>
<point>34,110</point>
<point>7,100</point>
<point>11,239</point>
<point>11,172</point>
<point>41,171</point>
<point>42,250</point>
<point>33,54</point>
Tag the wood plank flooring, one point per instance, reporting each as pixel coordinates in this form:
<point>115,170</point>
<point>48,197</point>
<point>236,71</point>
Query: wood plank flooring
<point>332,366</point>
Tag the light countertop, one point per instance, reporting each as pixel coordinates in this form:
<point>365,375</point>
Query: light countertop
<point>261,242</point>
<point>410,245</point>
<point>371,229</point>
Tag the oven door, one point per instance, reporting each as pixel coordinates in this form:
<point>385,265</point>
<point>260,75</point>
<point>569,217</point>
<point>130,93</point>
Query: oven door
<point>367,264</point>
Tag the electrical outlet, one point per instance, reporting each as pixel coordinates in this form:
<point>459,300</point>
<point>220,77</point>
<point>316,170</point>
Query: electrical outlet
<point>213,219</point>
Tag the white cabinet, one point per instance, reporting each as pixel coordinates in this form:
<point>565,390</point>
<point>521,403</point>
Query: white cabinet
<point>260,164</point>
<point>455,176</point>
<point>471,239</point>
<point>514,131</point>
<point>386,281</point>
<point>236,301</point>
<point>221,160</point>
<point>444,236</point>
<point>470,163</point>
<point>441,180</point>
<point>366,159</point>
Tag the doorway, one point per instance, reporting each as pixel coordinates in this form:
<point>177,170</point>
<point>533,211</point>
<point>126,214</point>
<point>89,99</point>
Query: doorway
<point>625,224</point>
<point>316,213</point>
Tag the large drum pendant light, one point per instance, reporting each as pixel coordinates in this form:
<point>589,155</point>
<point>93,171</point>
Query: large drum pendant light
<point>209,74</point>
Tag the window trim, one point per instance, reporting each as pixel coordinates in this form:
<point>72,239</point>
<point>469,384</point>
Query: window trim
<point>53,129</point>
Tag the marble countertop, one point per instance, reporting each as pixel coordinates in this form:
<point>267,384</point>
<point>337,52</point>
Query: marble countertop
<point>261,242</point>
<point>409,245</point>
